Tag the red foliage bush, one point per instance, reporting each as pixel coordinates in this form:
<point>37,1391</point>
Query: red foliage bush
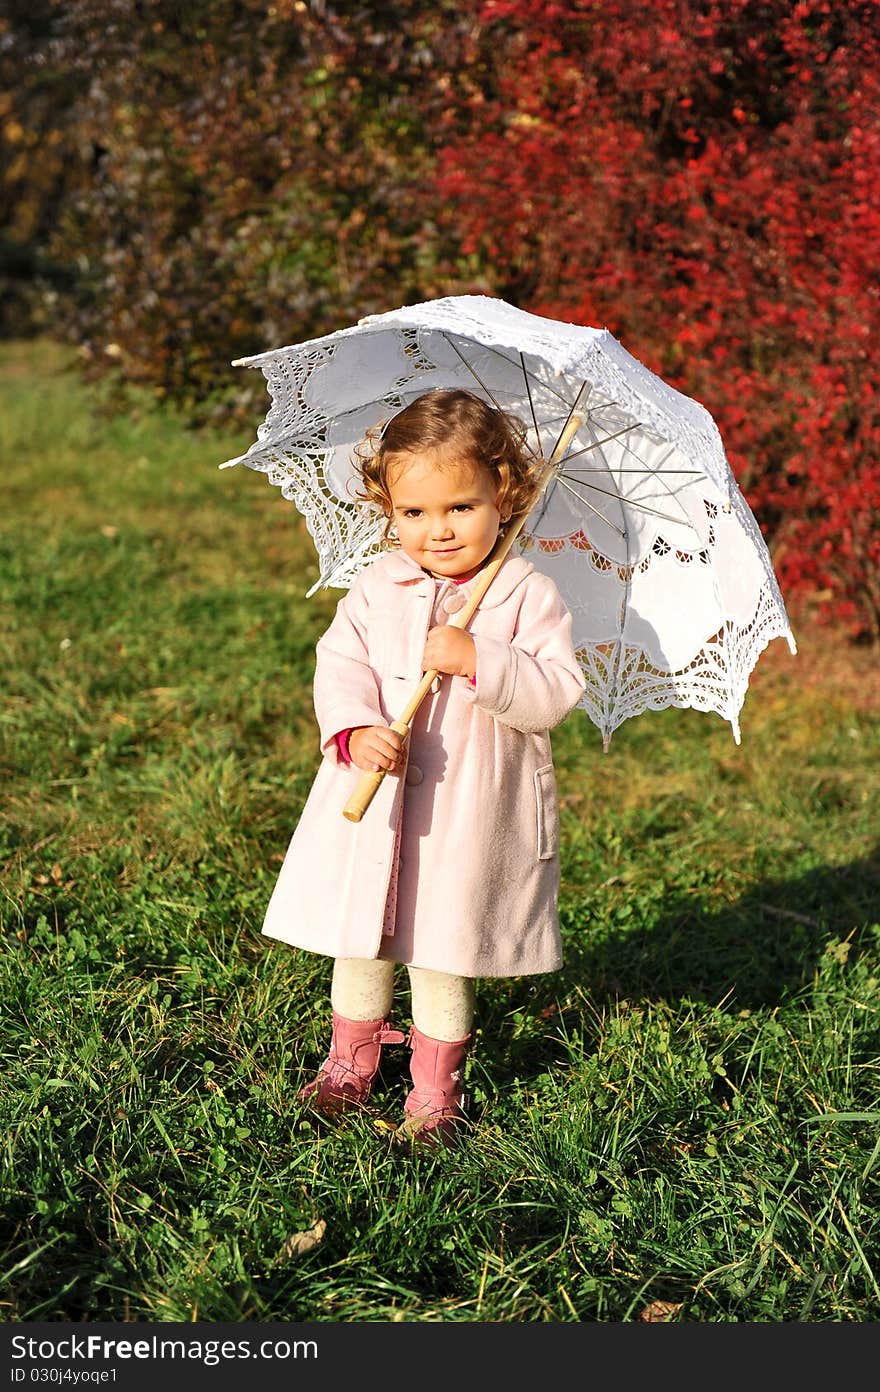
<point>698,177</point>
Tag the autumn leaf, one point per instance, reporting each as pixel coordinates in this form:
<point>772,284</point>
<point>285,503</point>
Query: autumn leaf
<point>301,1242</point>
<point>659,1312</point>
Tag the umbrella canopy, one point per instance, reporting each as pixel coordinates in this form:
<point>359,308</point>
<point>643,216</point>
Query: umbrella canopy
<point>641,525</point>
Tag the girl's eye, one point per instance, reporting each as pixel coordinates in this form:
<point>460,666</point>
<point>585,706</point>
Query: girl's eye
<point>412,512</point>
<point>462,507</point>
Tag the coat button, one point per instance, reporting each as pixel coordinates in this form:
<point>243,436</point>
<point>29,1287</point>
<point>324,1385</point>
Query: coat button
<point>454,602</point>
<point>414,775</point>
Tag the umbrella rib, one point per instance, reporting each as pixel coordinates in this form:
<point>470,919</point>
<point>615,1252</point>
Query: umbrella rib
<point>645,470</point>
<point>527,376</point>
<point>571,412</point>
<point>597,444</point>
<point>660,476</point>
<point>545,386</point>
<point>473,371</point>
<point>528,373</point>
<point>628,502</point>
<point>546,497</point>
<point>525,373</point>
<point>560,478</point>
<point>548,489</point>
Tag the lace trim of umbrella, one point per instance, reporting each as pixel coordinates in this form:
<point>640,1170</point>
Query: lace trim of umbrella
<point>622,682</point>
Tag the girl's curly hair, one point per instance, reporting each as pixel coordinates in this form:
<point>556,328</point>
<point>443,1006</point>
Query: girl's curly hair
<point>443,419</point>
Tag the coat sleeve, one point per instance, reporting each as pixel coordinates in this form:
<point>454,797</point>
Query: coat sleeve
<point>532,682</point>
<point>346,689</point>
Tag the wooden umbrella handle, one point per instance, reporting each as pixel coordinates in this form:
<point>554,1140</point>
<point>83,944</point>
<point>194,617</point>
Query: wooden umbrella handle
<point>368,783</point>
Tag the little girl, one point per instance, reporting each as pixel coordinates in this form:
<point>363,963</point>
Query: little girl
<point>453,869</point>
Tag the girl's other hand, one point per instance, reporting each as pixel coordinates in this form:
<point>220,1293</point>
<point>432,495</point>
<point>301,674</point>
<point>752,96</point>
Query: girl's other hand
<point>450,650</point>
<point>375,747</point>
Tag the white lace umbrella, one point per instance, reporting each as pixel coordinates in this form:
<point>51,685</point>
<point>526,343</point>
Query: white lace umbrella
<point>642,525</point>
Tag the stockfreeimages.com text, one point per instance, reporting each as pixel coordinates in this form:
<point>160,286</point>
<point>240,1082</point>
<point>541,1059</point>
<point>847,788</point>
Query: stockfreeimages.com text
<point>210,1351</point>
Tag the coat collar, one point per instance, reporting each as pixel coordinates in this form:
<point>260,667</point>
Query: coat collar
<point>401,569</point>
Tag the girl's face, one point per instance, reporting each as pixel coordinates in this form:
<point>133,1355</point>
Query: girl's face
<point>446,512</point>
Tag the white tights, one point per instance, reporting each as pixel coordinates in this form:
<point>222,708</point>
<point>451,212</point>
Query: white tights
<point>442,1005</point>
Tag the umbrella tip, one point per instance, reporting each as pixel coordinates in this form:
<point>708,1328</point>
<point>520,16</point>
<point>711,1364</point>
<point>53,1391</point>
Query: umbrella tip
<point>792,645</point>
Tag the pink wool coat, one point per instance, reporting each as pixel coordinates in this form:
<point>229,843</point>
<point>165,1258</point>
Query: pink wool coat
<point>454,865</point>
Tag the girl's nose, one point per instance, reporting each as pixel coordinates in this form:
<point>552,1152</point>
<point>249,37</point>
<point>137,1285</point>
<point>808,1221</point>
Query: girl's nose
<point>441,529</point>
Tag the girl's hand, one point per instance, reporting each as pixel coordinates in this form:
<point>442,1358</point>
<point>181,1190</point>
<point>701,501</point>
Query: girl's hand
<point>375,747</point>
<point>450,650</point>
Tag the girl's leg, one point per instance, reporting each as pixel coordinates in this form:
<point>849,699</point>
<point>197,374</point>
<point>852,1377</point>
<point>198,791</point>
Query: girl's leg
<point>442,1005</point>
<point>361,998</point>
<point>362,989</point>
<point>443,1014</point>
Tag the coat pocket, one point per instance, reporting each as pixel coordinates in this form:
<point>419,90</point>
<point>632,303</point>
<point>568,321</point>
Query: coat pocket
<point>548,812</point>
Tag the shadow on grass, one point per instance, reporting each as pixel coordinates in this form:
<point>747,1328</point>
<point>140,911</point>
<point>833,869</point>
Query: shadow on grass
<point>753,954</point>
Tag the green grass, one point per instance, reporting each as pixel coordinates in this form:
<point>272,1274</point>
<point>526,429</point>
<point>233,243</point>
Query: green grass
<point>686,1113</point>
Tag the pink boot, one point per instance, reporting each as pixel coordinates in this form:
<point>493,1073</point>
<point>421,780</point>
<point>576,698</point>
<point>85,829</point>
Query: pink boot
<point>435,1106</point>
<point>346,1075</point>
